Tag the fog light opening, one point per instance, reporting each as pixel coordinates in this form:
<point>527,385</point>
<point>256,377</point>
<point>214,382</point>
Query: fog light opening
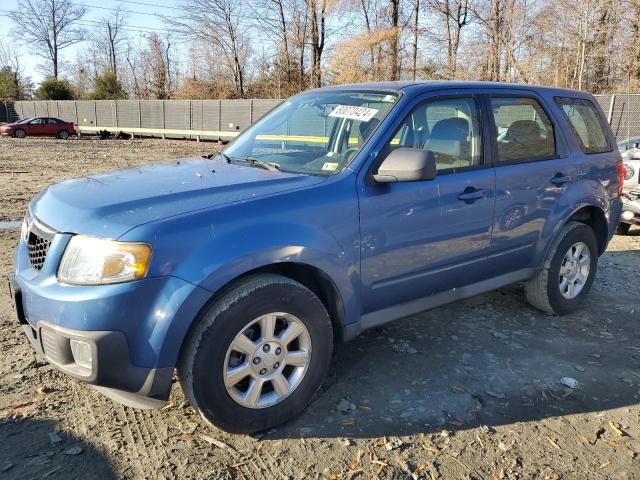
<point>627,215</point>
<point>81,352</point>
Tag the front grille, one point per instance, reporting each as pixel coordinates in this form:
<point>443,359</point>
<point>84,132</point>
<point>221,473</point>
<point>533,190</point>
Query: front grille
<point>38,243</point>
<point>38,249</point>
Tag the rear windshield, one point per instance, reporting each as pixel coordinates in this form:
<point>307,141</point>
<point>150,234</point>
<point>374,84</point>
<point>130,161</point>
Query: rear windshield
<point>587,124</point>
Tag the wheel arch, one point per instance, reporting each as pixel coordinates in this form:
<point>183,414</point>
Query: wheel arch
<point>594,217</point>
<point>312,277</point>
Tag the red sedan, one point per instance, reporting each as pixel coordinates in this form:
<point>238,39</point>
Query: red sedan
<point>39,127</point>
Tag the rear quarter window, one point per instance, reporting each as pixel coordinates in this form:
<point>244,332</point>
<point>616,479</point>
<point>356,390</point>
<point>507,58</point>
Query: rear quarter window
<point>587,124</point>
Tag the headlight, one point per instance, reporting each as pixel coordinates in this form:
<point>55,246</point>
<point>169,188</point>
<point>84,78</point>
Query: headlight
<point>94,261</point>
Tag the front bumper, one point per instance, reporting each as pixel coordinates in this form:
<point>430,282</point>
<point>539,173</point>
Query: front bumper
<point>111,368</point>
<point>134,329</point>
<point>632,206</point>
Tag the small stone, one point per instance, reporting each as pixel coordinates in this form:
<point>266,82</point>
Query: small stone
<point>500,335</point>
<point>503,447</point>
<point>486,429</point>
<point>393,444</point>
<point>579,368</point>
<point>346,442</point>
<point>498,395</point>
<point>54,438</point>
<point>570,382</point>
<point>73,451</point>
<point>346,406</point>
<point>188,427</point>
<point>445,433</point>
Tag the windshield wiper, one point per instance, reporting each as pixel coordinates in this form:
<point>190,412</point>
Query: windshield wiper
<point>256,162</point>
<point>215,154</point>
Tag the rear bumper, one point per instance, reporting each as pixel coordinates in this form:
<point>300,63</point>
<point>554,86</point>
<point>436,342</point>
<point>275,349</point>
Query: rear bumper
<point>615,210</point>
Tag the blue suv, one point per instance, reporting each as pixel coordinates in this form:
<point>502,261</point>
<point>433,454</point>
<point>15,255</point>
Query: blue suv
<point>340,210</point>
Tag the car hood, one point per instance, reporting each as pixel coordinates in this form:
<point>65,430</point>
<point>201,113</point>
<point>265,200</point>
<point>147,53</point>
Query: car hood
<point>109,204</point>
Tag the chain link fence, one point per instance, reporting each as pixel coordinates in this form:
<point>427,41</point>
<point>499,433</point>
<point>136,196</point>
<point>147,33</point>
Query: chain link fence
<point>225,119</point>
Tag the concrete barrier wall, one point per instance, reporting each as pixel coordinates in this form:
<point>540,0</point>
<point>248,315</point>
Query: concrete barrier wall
<point>225,119</point>
<point>206,119</point>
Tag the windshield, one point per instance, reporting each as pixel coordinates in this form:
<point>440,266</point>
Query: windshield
<point>316,133</point>
<point>24,120</point>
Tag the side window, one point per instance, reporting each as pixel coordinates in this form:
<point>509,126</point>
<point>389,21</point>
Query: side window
<point>37,121</point>
<point>587,124</point>
<point>524,132</point>
<point>51,121</point>
<point>449,127</point>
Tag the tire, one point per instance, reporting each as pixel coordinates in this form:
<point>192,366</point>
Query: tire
<point>19,133</point>
<point>207,354</point>
<point>544,290</point>
<point>623,228</point>
<point>63,134</point>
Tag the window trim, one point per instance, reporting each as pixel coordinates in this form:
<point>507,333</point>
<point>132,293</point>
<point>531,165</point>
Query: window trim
<point>601,120</point>
<point>477,99</point>
<point>494,129</point>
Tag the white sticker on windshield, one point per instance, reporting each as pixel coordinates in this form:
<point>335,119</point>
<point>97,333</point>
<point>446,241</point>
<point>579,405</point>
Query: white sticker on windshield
<point>363,114</point>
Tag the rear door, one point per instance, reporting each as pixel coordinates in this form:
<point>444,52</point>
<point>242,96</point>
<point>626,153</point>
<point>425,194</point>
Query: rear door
<point>533,170</point>
<point>422,238</point>
<point>52,127</point>
<point>37,126</point>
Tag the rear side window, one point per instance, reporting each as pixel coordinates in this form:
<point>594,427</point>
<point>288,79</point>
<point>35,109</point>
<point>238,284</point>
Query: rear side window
<point>523,130</point>
<point>586,123</point>
<point>51,121</point>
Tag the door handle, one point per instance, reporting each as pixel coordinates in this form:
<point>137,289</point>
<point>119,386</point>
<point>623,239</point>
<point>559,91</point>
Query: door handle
<point>470,195</point>
<point>560,179</point>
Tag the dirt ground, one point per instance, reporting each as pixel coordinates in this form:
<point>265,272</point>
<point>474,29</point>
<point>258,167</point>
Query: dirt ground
<point>468,391</point>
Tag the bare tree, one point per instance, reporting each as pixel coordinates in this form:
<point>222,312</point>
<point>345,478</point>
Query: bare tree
<point>10,62</point>
<point>48,26</point>
<point>318,15</point>
<point>114,37</point>
<point>219,23</point>
<point>455,15</point>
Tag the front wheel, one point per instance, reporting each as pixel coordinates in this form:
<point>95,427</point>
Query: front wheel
<point>257,355</point>
<point>19,133</point>
<point>566,278</point>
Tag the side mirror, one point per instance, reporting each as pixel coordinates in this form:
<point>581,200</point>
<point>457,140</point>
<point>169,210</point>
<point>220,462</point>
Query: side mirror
<point>407,165</point>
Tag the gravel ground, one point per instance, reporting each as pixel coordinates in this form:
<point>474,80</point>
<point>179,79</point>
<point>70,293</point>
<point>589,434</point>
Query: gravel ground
<point>470,390</point>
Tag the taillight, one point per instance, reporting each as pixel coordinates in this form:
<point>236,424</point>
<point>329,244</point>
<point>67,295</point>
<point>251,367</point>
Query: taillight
<point>621,174</point>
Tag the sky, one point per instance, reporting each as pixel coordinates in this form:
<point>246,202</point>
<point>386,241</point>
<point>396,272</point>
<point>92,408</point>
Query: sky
<point>144,16</point>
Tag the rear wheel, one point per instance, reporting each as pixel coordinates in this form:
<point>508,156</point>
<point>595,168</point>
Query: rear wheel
<point>258,355</point>
<point>623,228</point>
<point>568,273</point>
<point>19,133</point>
<point>63,134</point>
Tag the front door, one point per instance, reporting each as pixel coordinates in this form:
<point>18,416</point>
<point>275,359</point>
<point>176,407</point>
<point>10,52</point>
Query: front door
<point>422,238</point>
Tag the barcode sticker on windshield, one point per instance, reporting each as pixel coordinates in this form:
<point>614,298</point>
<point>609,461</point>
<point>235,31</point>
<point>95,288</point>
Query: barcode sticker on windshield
<point>351,112</point>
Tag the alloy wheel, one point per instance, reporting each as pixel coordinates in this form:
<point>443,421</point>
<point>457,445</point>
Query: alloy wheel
<point>574,270</point>
<point>267,360</point>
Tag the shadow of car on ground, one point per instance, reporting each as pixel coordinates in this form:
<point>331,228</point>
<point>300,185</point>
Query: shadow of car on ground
<point>489,360</point>
<point>38,449</point>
